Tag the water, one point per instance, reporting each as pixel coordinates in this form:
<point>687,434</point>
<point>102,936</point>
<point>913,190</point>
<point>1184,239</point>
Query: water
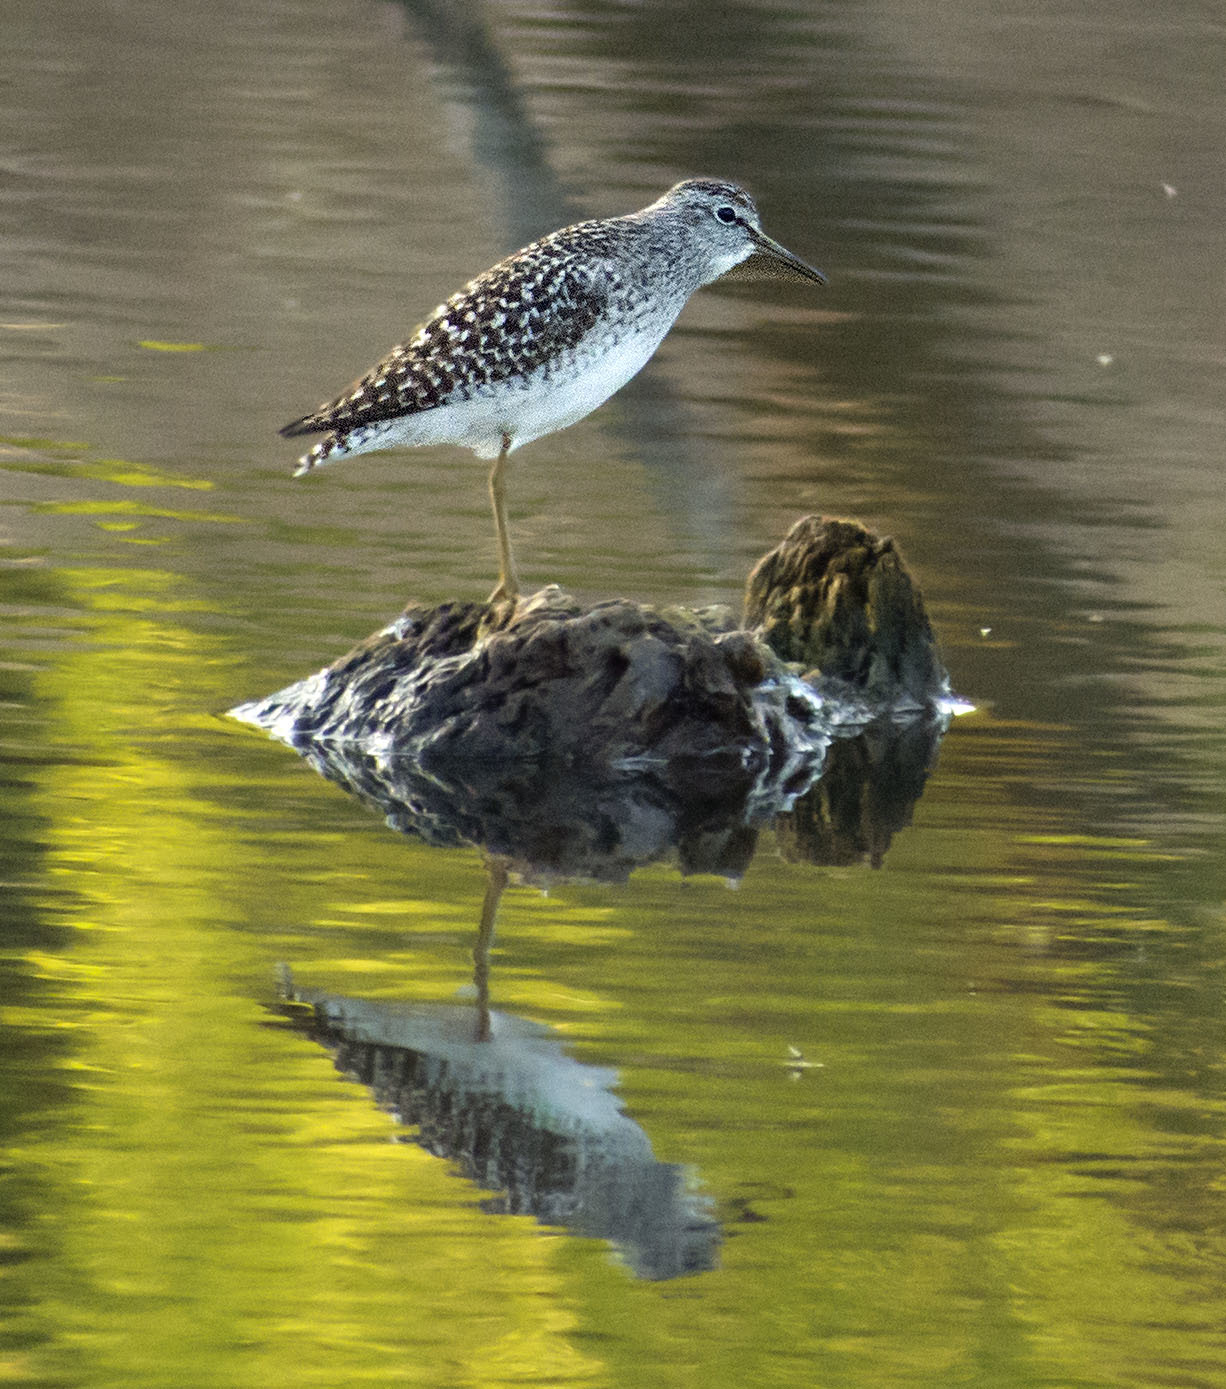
<point>1003,1164</point>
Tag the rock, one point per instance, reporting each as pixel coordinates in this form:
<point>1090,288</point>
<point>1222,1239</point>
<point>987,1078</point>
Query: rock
<point>621,684</point>
<point>837,601</point>
<point>578,740</point>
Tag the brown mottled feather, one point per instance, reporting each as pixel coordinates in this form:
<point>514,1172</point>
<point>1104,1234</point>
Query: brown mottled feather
<point>511,321</point>
<point>547,334</point>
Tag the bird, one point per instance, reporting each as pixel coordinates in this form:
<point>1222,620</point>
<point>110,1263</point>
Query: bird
<point>545,336</point>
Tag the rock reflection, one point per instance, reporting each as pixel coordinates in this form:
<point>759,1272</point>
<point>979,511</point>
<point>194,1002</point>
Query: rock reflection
<point>522,1120</point>
<point>555,822</point>
<point>868,789</point>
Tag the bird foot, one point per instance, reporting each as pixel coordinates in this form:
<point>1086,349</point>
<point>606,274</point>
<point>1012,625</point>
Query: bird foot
<point>504,593</point>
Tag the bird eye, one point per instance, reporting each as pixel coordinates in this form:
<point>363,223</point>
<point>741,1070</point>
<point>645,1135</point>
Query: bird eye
<point>726,214</point>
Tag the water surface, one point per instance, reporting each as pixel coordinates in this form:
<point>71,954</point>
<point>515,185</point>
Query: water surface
<point>1003,1164</point>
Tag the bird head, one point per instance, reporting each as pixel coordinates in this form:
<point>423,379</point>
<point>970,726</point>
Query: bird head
<point>725,221</point>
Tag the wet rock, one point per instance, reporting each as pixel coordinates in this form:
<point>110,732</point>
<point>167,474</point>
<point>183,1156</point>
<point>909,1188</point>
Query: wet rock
<point>837,601</point>
<point>624,685</point>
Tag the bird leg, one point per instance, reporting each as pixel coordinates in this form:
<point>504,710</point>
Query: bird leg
<point>508,583</point>
<point>497,871</point>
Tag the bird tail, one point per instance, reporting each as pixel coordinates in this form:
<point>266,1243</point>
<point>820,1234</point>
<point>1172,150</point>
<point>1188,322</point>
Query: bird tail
<point>340,438</point>
<point>323,452</point>
<point>307,424</point>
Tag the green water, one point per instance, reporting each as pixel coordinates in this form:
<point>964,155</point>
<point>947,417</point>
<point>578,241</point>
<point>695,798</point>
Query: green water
<point>1005,1162</point>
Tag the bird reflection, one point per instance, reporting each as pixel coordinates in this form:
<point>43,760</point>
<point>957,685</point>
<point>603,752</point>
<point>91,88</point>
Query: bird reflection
<point>522,1119</point>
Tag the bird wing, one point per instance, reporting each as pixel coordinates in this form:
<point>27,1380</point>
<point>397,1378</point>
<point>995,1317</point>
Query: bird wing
<point>511,321</point>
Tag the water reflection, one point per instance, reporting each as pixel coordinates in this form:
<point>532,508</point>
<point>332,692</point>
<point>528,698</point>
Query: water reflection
<point>866,795</point>
<point>505,143</point>
<point>555,821</point>
<point>522,1119</point>
<point>496,1093</point>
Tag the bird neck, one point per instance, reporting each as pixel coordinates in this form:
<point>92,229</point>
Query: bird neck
<point>663,238</point>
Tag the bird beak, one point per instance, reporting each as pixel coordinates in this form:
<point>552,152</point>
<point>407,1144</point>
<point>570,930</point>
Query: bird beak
<point>767,246</point>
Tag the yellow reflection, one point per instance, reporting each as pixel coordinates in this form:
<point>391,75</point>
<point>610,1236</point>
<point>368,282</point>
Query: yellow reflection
<point>125,507</point>
<point>221,1203</point>
<point>61,458</point>
<point>154,345</point>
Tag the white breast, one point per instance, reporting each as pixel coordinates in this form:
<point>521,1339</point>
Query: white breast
<point>520,408</point>
<point>572,389</point>
<point>524,409</point>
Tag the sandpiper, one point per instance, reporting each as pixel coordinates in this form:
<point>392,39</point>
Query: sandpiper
<point>545,336</point>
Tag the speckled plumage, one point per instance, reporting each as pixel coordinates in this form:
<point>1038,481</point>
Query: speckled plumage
<point>545,336</point>
<point>519,319</point>
<point>556,309</point>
